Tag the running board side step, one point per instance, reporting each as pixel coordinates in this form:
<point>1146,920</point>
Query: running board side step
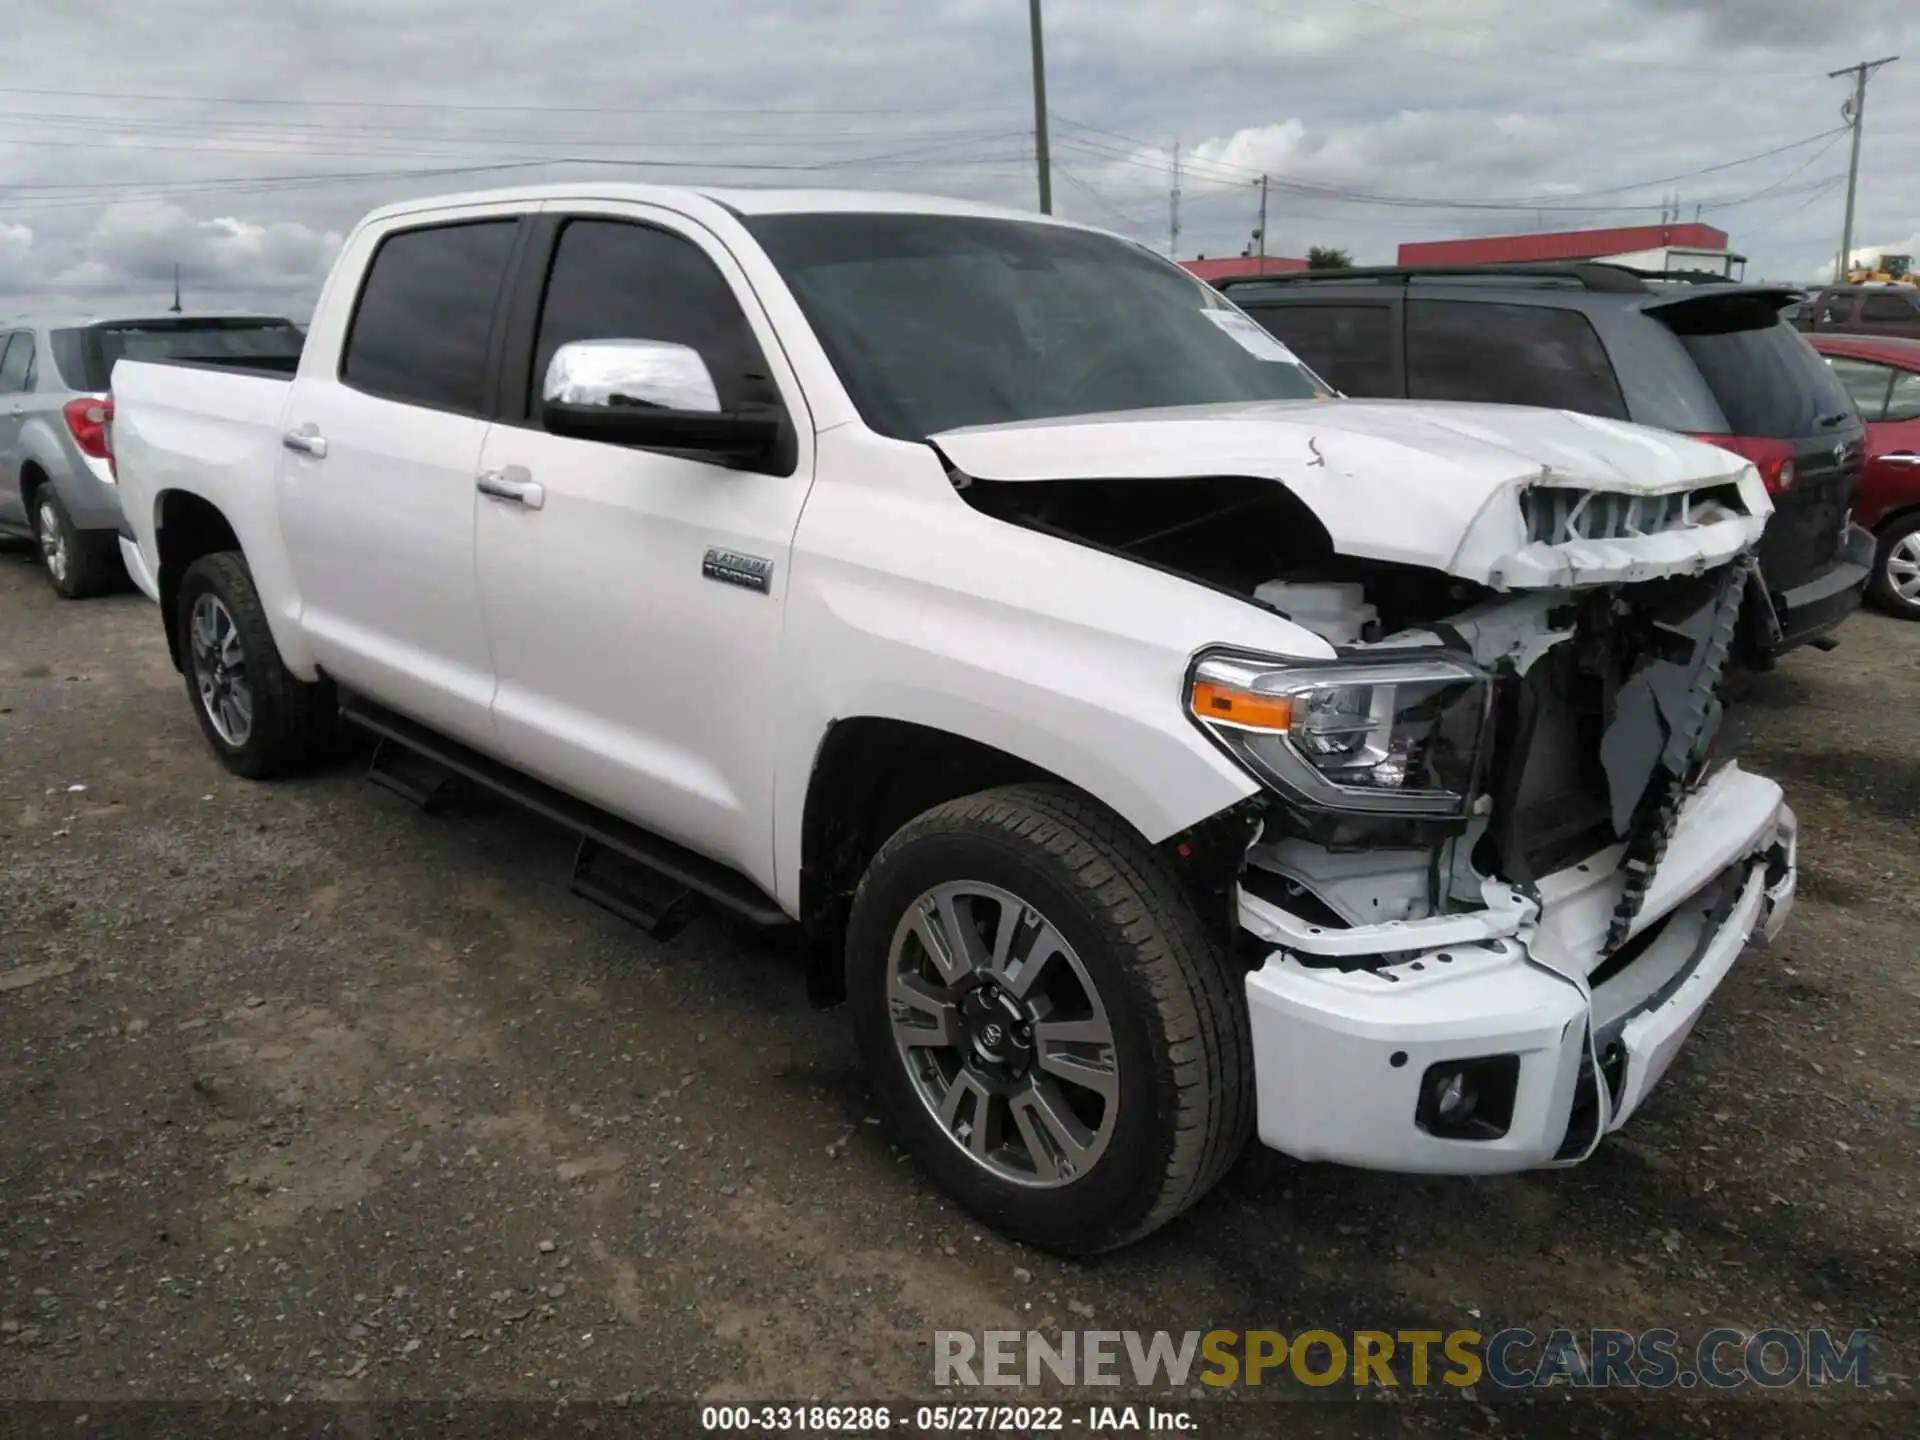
<point>412,775</point>
<point>661,898</point>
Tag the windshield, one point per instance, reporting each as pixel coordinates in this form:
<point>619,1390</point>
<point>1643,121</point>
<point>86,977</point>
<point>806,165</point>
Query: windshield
<point>939,321</point>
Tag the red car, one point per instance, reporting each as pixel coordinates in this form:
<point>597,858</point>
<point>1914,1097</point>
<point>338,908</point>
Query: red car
<point>1883,377</point>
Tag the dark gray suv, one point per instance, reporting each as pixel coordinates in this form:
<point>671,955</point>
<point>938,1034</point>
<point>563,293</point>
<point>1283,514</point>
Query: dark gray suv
<point>1714,360</point>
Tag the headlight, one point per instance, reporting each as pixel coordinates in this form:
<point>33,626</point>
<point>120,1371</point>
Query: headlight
<point>1398,735</point>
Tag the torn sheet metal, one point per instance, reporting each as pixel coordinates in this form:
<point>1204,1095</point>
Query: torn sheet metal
<point>1664,722</point>
<point>1438,486</point>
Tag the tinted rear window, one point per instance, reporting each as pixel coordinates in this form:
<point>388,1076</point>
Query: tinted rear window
<point>1352,345</point>
<point>426,310</point>
<point>85,357</point>
<point>1509,355</point>
<point>1768,380</point>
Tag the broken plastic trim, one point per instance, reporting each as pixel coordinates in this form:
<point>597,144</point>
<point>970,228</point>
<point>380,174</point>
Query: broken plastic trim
<point>1508,913</point>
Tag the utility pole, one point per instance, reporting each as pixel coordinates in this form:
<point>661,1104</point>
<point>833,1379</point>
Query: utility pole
<point>1855,113</point>
<point>175,307</point>
<point>1041,160</point>
<point>1261,233</point>
<point>1173,207</point>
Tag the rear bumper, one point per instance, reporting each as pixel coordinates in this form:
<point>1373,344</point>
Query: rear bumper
<point>1811,610</point>
<point>91,497</point>
<point>1343,1059</point>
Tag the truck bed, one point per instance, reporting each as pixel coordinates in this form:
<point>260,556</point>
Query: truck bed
<point>267,367</point>
<point>213,429</point>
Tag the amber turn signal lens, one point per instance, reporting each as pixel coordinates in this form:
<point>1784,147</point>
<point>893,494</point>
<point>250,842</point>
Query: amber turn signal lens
<point>1216,702</point>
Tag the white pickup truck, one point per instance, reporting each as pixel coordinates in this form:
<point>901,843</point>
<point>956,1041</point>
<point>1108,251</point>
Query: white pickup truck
<point>1149,746</point>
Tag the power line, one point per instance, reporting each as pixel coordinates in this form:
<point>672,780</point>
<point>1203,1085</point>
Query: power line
<point>459,152</point>
<point>240,185</point>
<point>1225,174</point>
<point>303,129</point>
<point>454,106</point>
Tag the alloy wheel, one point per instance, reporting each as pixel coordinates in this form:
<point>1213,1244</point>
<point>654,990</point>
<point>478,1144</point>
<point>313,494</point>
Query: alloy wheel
<point>1903,567</point>
<point>1003,1033</point>
<point>220,669</point>
<point>53,542</point>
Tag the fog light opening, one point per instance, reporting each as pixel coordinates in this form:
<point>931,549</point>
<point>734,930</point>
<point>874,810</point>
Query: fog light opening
<point>1454,1100</point>
<point>1468,1099</point>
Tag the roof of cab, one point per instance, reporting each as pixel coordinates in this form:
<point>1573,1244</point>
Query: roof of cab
<point>741,201</point>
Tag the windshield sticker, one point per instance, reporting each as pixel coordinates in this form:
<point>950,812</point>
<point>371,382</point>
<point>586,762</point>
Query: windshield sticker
<point>1250,337</point>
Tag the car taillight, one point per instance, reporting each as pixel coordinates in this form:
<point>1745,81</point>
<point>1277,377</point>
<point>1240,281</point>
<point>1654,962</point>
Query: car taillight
<point>1772,458</point>
<point>87,419</point>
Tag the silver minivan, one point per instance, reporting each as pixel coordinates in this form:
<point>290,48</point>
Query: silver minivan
<point>56,484</point>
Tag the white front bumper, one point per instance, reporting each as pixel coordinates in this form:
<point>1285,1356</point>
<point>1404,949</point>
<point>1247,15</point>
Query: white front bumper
<point>1340,1056</point>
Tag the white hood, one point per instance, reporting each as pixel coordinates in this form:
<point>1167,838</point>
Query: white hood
<point>1435,485</point>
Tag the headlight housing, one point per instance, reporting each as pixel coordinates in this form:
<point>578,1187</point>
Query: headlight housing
<point>1398,735</point>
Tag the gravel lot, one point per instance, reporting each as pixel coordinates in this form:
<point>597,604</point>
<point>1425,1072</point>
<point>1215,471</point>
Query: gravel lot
<point>306,1094</point>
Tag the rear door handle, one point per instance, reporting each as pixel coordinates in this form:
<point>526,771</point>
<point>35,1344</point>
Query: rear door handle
<point>1901,457</point>
<point>514,485</point>
<point>305,442</point>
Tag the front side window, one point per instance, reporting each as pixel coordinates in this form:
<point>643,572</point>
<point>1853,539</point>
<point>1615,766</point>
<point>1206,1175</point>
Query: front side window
<point>939,321</point>
<point>1510,355</point>
<point>420,331</point>
<point>1835,309</point>
<point>1865,382</point>
<point>612,280</point>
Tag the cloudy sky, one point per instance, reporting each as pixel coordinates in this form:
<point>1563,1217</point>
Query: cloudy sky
<point>241,139</point>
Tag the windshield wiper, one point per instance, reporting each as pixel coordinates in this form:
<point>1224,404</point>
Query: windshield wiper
<point>1838,417</point>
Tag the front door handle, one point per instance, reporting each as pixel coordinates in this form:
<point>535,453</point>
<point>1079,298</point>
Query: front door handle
<point>305,441</point>
<point>1901,457</point>
<point>513,485</point>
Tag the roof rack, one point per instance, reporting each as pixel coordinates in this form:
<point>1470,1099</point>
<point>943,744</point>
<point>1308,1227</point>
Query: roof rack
<point>1614,279</point>
<point>1685,277</point>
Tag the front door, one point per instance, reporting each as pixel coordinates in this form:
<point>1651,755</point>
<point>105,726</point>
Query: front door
<point>636,668</point>
<point>377,498</point>
<point>1892,477</point>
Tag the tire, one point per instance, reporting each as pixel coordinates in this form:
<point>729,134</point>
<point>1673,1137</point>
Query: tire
<point>1132,954</point>
<point>1898,550</point>
<point>259,718</point>
<point>77,563</point>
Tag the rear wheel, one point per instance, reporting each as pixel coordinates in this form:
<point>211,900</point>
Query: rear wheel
<point>1045,1022</point>
<point>260,719</point>
<point>1895,586</point>
<point>78,563</point>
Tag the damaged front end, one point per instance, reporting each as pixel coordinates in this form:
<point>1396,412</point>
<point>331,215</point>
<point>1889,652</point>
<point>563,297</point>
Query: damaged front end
<point>1504,856</point>
<point>1506,860</point>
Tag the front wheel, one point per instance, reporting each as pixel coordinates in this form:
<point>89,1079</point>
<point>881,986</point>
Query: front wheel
<point>1045,1023</point>
<point>1895,586</point>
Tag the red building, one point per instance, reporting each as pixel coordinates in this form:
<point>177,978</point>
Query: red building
<point>1631,240</point>
<point>1226,268</point>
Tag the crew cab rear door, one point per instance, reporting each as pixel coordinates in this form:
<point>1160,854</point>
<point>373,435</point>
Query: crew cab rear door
<point>384,427</point>
<point>634,597</point>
